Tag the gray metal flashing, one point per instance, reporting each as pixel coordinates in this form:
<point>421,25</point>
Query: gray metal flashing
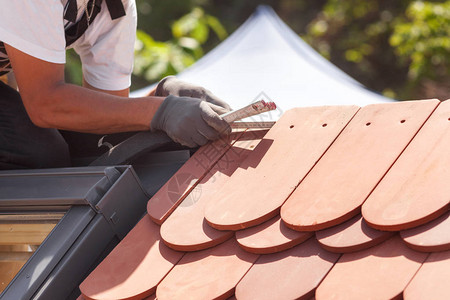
<point>36,208</point>
<point>76,291</point>
<point>97,191</point>
<point>74,266</point>
<point>54,187</point>
<point>156,169</point>
<point>123,203</point>
<point>52,171</point>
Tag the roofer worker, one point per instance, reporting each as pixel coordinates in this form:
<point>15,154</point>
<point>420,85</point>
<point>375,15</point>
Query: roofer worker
<point>34,35</point>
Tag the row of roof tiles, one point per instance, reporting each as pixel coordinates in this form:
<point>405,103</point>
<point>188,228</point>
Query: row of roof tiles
<point>332,202</point>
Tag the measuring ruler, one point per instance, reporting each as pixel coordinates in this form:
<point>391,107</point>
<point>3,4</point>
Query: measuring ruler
<point>253,109</point>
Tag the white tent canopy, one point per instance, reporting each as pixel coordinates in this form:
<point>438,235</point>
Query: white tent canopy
<point>265,59</point>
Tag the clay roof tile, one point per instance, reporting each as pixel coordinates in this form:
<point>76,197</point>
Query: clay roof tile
<point>276,214</point>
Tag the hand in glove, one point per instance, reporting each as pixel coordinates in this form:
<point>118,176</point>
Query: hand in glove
<point>170,85</point>
<point>190,121</point>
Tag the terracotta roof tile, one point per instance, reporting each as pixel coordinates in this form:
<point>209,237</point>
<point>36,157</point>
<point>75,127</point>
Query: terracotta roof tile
<point>164,202</point>
<point>416,190</point>
<point>278,166</point>
<point>341,181</point>
<point>433,236</point>
<point>277,276</point>
<point>431,281</point>
<point>270,237</point>
<point>186,229</point>
<point>208,274</point>
<point>351,236</point>
<point>322,163</point>
<point>380,272</point>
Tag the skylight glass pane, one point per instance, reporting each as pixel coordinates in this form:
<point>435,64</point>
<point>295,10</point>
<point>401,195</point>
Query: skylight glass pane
<point>20,236</point>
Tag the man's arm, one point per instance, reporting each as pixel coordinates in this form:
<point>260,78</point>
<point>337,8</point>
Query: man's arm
<point>121,93</point>
<point>52,103</point>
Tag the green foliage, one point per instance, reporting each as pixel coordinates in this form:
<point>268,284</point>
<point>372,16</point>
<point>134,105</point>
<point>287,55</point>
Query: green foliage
<point>156,59</point>
<point>422,39</point>
<point>353,34</point>
<point>72,68</point>
<point>399,48</point>
<point>390,46</point>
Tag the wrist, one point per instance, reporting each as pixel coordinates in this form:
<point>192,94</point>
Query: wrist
<point>157,122</point>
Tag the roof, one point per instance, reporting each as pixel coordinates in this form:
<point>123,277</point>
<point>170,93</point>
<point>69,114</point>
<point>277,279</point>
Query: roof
<point>333,202</point>
<point>264,58</point>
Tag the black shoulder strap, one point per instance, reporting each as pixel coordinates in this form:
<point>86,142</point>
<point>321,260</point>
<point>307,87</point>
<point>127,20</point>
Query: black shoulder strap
<point>74,32</point>
<point>116,9</point>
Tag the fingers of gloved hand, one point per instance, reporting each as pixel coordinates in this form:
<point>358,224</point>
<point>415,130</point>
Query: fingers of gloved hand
<point>207,131</point>
<point>190,121</point>
<point>182,137</point>
<point>212,118</point>
<point>192,137</point>
<point>198,130</point>
<point>193,91</point>
<point>171,85</point>
<point>218,109</point>
<point>197,135</point>
<point>211,98</point>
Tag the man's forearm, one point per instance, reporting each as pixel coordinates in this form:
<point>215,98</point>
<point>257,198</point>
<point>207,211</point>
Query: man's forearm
<point>50,102</point>
<point>75,108</point>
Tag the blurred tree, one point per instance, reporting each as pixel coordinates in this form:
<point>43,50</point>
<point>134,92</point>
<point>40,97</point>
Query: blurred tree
<point>154,60</point>
<point>73,71</point>
<point>422,40</point>
<point>366,38</point>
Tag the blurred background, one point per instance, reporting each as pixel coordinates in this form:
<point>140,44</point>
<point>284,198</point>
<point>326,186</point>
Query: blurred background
<point>400,49</point>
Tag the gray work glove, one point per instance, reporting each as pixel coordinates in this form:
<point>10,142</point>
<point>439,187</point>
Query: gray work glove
<point>190,121</point>
<point>170,85</point>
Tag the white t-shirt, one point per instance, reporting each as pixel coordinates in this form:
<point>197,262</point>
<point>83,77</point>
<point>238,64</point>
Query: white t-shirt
<point>36,27</point>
